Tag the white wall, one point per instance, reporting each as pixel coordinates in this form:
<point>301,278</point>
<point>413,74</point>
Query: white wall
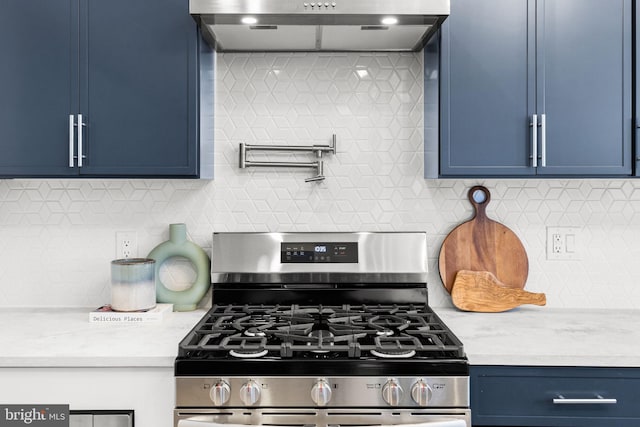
<point>58,236</point>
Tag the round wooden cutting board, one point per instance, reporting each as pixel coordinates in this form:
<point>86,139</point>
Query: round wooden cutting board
<point>482,244</point>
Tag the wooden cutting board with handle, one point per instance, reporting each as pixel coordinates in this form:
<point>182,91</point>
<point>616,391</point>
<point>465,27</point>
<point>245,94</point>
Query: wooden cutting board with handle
<point>481,291</point>
<point>482,244</point>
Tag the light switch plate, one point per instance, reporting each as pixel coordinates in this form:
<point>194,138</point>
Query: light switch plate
<point>563,243</point>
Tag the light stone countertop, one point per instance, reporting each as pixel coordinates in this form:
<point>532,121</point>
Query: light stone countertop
<point>531,336</point>
<point>64,337</point>
<point>539,336</point>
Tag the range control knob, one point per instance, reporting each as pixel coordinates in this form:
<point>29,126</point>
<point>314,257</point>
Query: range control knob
<point>392,392</point>
<point>421,393</point>
<point>321,393</point>
<point>220,393</point>
<point>250,393</point>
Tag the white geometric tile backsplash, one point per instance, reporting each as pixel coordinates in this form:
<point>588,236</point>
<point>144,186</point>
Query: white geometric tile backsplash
<point>58,236</point>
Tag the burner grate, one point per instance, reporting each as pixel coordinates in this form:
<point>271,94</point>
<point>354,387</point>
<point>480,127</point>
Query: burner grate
<point>341,331</point>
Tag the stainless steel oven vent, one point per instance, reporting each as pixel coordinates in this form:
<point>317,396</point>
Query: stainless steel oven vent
<point>308,25</point>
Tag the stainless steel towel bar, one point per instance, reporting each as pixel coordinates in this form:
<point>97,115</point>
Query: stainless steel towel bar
<point>318,150</point>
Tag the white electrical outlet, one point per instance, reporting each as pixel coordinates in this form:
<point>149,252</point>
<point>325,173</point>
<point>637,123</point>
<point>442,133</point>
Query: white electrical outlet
<point>563,243</point>
<point>558,243</point>
<point>126,244</point>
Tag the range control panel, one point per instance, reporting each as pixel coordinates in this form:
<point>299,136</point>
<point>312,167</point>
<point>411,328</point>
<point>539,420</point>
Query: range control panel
<point>379,392</point>
<point>319,252</point>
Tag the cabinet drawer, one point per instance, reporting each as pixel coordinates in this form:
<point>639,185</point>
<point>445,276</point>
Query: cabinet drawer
<point>524,396</point>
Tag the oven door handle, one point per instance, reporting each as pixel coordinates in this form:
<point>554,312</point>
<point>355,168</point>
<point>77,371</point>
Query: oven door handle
<point>194,423</point>
<point>452,423</point>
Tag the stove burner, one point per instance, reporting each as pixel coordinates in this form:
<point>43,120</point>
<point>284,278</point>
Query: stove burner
<point>385,322</point>
<point>393,354</point>
<point>400,347</point>
<point>247,354</point>
<point>384,332</point>
<point>323,337</point>
<point>254,332</point>
<point>245,347</point>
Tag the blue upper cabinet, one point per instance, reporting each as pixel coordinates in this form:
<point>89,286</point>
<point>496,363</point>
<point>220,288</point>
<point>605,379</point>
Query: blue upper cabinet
<point>637,77</point>
<point>38,89</point>
<point>536,87</point>
<point>128,69</point>
<point>486,89</point>
<point>138,80</point>
<point>584,86</point>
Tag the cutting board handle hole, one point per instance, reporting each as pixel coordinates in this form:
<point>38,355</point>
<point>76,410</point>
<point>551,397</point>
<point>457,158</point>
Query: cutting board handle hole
<point>479,195</point>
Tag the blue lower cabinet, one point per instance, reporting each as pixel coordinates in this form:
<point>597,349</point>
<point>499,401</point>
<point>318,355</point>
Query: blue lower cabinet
<point>555,396</point>
<point>98,89</point>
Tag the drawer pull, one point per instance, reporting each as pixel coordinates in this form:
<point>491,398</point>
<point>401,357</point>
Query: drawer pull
<point>599,400</point>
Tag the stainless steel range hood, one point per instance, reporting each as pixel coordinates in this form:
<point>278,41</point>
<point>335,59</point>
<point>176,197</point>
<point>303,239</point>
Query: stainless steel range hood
<point>309,25</point>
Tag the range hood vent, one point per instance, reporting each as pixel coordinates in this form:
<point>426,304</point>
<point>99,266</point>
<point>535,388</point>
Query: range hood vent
<point>307,25</point>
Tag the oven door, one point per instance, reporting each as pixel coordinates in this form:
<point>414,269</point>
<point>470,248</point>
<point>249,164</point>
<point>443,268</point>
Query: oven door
<point>313,417</point>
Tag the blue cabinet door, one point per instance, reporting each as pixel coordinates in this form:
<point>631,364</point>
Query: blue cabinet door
<point>637,81</point>
<point>129,68</point>
<point>554,396</point>
<point>138,85</point>
<point>584,86</point>
<point>38,44</point>
<point>565,62</point>
<point>487,88</point>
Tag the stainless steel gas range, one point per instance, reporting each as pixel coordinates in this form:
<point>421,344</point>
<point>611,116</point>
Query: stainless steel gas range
<point>323,330</point>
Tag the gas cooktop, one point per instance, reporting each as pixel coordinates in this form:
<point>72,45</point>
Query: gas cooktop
<point>341,331</point>
<point>381,335</point>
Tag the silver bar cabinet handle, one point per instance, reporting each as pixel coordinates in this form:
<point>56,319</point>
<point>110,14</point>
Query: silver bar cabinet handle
<point>80,125</point>
<point>598,400</point>
<point>543,139</point>
<point>243,156</point>
<point>534,141</point>
<point>71,139</point>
